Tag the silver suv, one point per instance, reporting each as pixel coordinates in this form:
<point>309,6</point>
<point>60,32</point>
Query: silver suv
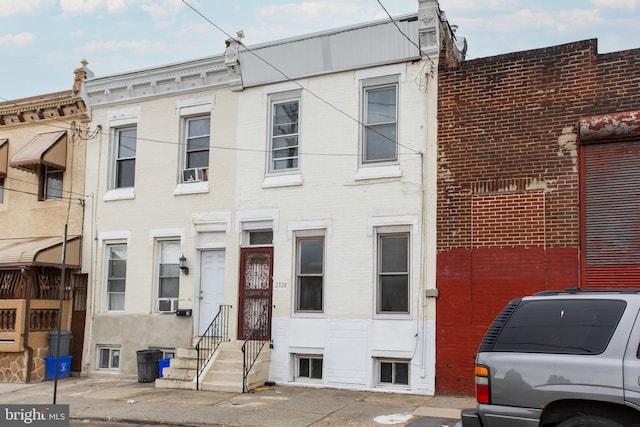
<point>560,358</point>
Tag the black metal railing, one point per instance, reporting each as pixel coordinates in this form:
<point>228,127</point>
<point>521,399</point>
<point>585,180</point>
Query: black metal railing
<point>216,334</point>
<point>253,345</point>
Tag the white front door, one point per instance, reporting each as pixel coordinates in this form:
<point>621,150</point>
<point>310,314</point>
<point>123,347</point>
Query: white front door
<point>211,287</point>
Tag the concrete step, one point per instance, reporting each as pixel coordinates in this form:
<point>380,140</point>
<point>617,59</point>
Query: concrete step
<point>168,383</point>
<point>182,363</point>
<point>179,374</point>
<point>186,353</point>
<point>231,387</point>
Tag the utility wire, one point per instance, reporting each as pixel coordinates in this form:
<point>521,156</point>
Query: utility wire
<point>298,83</point>
<point>401,32</point>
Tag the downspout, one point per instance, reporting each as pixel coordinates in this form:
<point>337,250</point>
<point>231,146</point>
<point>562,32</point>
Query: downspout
<point>27,316</point>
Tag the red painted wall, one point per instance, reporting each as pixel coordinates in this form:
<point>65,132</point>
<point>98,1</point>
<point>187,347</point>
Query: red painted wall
<point>508,187</point>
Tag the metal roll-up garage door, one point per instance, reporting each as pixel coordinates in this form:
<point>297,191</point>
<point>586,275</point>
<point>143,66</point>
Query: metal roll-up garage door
<point>612,214</point>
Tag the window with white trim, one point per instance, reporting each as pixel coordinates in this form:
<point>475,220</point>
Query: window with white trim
<point>308,367</point>
<point>284,131</point>
<point>393,272</point>
<point>109,357</point>
<point>380,119</point>
<point>309,272</point>
<point>168,275</point>
<point>116,276</point>
<point>50,183</point>
<point>392,372</point>
<point>124,168</point>
<point>196,141</point>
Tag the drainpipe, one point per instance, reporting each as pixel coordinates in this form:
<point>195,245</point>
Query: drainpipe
<point>27,315</point>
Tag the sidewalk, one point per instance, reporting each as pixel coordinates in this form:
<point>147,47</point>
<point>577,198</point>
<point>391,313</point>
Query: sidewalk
<point>117,400</point>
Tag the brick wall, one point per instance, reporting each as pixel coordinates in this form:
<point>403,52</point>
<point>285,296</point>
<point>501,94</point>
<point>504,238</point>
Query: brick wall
<point>508,183</point>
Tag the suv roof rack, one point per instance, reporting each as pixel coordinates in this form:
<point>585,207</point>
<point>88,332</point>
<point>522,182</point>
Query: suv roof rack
<point>580,290</point>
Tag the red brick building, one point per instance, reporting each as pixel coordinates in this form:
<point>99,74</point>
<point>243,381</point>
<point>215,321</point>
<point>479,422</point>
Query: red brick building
<point>538,181</point>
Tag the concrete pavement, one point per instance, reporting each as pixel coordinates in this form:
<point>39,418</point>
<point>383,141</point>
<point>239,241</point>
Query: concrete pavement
<point>116,400</point>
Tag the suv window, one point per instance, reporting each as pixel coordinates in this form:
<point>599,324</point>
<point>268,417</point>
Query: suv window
<point>566,326</point>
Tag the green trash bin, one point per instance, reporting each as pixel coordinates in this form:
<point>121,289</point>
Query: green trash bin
<point>148,365</point>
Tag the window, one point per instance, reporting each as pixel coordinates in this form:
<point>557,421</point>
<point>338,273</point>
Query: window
<point>196,141</point>
<point>561,326</point>
<point>309,273</point>
<point>257,238</point>
<point>393,372</point>
<point>50,183</point>
<point>168,276</point>
<point>109,357</point>
<point>380,119</point>
<point>283,150</point>
<point>1,190</point>
<point>116,276</point>
<point>125,157</point>
<point>393,273</point>
<point>309,367</point>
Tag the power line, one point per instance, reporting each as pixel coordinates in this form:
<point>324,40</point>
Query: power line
<point>298,84</point>
<point>401,32</point>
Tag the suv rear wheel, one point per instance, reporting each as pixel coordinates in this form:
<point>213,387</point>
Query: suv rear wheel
<point>589,421</point>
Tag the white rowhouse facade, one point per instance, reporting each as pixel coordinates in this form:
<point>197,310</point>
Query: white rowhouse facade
<point>302,183</point>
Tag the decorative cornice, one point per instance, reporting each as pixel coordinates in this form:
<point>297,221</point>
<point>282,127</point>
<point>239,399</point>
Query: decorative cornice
<point>167,80</point>
<point>59,105</point>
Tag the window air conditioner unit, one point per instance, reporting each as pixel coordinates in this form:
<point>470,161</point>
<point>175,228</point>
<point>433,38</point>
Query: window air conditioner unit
<point>168,305</point>
<point>193,175</point>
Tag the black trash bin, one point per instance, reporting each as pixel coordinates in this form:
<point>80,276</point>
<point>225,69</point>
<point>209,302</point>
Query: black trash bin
<point>148,365</point>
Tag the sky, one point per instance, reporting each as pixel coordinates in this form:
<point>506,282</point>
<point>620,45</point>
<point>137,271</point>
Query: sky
<point>43,41</point>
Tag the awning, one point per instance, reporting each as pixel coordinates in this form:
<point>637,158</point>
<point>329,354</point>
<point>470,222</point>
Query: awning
<point>39,252</point>
<point>48,149</point>
<point>4,153</point>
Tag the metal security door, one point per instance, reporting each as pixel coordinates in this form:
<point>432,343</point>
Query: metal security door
<point>256,287</point>
<point>612,215</point>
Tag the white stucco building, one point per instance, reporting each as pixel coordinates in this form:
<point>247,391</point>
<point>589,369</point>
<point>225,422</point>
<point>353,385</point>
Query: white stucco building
<point>298,176</point>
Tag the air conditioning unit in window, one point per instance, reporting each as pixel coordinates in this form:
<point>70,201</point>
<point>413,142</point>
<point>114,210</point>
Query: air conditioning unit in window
<point>194,175</point>
<point>167,305</point>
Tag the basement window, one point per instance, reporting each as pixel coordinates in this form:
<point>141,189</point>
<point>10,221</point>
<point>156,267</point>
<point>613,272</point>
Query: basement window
<point>308,367</point>
<point>109,358</point>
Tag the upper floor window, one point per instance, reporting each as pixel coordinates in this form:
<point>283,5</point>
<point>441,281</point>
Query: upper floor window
<point>197,137</point>
<point>380,119</point>
<point>116,276</point>
<point>1,190</point>
<point>284,131</point>
<point>50,187</point>
<point>125,157</point>
<point>393,273</point>
<point>168,275</point>
<point>309,273</point>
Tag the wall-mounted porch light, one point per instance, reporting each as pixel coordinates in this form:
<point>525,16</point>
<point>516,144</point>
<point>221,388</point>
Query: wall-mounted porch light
<point>183,265</point>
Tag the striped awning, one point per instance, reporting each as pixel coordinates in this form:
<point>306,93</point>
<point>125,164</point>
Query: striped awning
<point>42,252</point>
<point>48,149</point>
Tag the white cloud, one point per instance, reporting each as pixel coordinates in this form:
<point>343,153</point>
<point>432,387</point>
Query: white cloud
<point>76,34</point>
<point>526,20</point>
<point>23,7</point>
<point>17,40</point>
<point>616,4</point>
<point>129,46</point>
<point>483,5</point>
<point>88,6</point>
<point>318,12</point>
<point>163,9</point>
